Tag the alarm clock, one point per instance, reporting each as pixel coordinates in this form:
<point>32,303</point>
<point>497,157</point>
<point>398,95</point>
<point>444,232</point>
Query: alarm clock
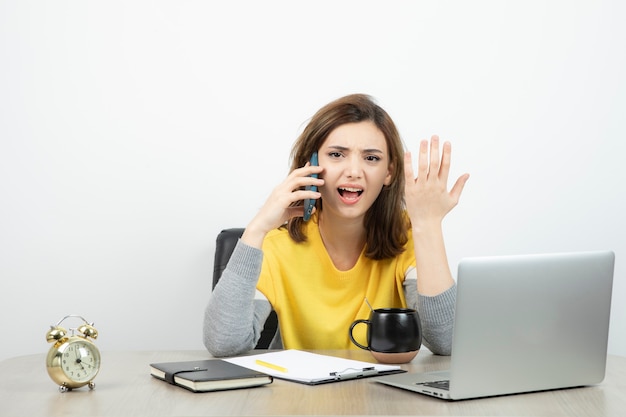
<point>73,361</point>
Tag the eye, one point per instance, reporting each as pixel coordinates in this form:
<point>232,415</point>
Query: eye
<point>335,154</point>
<point>373,158</point>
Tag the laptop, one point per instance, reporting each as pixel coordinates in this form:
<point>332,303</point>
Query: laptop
<point>524,323</point>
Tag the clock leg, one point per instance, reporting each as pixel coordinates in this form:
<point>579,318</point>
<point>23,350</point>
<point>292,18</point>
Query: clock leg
<point>63,388</point>
<point>91,385</point>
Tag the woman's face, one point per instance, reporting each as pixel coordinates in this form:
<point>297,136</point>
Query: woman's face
<point>356,165</point>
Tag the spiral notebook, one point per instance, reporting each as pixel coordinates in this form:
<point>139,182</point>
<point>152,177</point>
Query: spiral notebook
<point>312,368</point>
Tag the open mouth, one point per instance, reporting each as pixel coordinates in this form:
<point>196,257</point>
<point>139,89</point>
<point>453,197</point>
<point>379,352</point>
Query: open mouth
<point>350,193</point>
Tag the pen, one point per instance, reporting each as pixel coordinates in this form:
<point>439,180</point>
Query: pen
<point>271,366</point>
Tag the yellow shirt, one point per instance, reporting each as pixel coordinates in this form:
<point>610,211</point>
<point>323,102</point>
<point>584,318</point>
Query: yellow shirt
<point>315,302</point>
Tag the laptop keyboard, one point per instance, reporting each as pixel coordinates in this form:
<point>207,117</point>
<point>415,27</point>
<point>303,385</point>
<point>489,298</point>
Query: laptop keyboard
<point>445,385</point>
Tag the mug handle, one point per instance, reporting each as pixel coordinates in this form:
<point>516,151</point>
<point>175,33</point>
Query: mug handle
<point>352,337</point>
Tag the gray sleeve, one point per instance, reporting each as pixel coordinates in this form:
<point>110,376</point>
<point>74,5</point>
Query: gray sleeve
<point>436,315</point>
<point>234,317</point>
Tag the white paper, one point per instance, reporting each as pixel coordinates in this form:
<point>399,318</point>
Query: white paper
<point>310,367</point>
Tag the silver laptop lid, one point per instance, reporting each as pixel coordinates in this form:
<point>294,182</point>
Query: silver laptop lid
<point>531,322</point>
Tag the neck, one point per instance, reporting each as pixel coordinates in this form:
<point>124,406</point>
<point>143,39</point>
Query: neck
<point>343,239</point>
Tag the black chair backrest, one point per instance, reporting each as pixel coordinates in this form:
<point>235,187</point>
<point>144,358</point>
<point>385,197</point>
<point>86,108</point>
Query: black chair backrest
<point>224,246</point>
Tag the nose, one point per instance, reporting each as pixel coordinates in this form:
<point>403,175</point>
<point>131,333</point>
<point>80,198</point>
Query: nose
<point>354,168</point>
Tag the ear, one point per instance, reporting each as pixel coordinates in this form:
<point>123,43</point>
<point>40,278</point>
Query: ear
<point>390,170</point>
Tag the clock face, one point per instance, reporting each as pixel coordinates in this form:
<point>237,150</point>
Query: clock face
<point>80,360</point>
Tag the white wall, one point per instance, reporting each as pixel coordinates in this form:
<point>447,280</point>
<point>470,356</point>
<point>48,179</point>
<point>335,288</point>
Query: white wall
<point>133,132</point>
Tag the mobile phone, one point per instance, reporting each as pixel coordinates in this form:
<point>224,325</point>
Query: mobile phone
<point>309,203</point>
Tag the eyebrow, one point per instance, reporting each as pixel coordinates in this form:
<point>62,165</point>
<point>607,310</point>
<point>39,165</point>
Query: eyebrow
<point>369,150</point>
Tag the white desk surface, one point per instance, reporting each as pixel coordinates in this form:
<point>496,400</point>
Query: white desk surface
<point>124,387</point>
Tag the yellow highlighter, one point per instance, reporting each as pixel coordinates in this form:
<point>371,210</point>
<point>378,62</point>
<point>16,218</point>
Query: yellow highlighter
<point>271,366</point>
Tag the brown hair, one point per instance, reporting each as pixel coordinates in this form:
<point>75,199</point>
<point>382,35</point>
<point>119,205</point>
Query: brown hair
<point>385,222</point>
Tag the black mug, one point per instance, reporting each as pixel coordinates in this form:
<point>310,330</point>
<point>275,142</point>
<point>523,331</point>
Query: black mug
<point>394,335</point>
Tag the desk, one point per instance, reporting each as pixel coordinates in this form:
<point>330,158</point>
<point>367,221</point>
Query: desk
<point>125,388</point>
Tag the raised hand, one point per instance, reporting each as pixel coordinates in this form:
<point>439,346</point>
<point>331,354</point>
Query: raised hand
<point>427,197</point>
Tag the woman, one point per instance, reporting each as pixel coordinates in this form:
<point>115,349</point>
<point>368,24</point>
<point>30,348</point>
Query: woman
<point>375,237</point>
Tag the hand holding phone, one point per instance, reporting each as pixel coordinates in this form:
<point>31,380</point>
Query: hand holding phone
<point>309,203</point>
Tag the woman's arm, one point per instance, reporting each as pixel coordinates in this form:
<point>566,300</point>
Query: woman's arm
<point>428,201</point>
<point>436,315</point>
<point>236,311</point>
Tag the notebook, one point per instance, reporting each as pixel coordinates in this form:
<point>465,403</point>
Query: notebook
<point>208,375</point>
<point>311,368</point>
<point>524,323</point>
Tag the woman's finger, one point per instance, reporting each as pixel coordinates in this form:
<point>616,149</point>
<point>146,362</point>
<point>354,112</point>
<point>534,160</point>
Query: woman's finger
<point>434,155</point>
<point>422,167</point>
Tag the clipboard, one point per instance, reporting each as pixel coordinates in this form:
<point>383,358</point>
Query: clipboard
<point>311,368</point>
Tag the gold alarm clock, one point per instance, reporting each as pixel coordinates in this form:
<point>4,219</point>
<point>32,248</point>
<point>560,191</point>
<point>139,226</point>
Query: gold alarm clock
<point>73,361</point>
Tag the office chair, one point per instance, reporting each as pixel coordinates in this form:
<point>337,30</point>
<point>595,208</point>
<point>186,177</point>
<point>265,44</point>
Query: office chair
<point>224,246</point>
